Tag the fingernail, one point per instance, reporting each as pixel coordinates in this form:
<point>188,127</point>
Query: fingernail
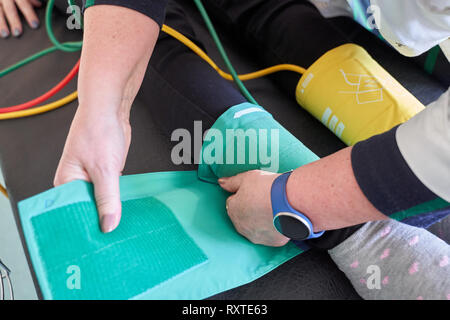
<point>34,24</point>
<point>221,180</point>
<point>108,223</point>
<point>4,33</point>
<point>16,32</point>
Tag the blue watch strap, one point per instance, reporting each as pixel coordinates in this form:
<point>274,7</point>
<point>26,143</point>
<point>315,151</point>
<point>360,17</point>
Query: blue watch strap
<point>281,206</point>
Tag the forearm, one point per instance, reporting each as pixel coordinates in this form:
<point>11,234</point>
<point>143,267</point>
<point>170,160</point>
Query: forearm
<point>327,191</point>
<point>404,170</point>
<point>117,46</point>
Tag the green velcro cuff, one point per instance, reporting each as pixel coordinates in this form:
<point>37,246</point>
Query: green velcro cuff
<point>247,137</point>
<point>175,241</point>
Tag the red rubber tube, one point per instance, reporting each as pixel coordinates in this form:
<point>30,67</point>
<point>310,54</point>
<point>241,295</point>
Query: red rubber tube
<point>46,95</point>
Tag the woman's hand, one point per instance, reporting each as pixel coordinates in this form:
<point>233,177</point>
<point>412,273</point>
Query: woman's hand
<point>9,15</point>
<point>95,151</point>
<point>325,190</point>
<point>250,208</point>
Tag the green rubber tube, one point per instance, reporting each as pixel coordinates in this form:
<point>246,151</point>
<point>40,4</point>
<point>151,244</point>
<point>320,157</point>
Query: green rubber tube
<point>25,61</point>
<point>76,46</point>
<point>68,46</point>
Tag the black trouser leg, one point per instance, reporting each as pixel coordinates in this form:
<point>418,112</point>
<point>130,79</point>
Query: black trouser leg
<point>184,88</point>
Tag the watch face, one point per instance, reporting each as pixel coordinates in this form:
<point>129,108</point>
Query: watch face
<point>291,226</point>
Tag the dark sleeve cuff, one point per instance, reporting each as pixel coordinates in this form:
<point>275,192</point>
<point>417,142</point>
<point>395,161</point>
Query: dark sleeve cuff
<point>155,9</point>
<point>384,176</point>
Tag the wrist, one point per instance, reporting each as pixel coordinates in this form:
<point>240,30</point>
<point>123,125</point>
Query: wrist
<point>107,93</point>
<point>297,196</point>
<point>108,98</point>
<point>287,220</point>
<point>98,116</point>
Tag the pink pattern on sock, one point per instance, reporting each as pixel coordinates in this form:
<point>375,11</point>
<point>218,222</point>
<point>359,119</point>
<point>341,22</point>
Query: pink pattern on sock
<point>362,280</point>
<point>385,231</point>
<point>443,262</point>
<point>385,280</point>
<point>419,298</point>
<point>448,296</point>
<point>414,240</point>
<point>414,268</point>
<point>354,264</point>
<point>385,253</point>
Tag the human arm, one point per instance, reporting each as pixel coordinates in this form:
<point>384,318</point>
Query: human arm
<point>117,45</point>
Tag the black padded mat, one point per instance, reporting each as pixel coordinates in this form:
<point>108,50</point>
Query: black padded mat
<point>30,147</point>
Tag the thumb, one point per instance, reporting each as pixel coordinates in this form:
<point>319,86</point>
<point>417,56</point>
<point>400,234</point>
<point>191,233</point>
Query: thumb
<point>231,184</point>
<point>107,197</point>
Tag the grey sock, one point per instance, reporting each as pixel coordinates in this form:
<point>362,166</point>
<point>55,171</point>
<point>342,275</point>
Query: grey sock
<point>391,260</point>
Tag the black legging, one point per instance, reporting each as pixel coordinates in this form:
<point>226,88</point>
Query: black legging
<point>177,74</point>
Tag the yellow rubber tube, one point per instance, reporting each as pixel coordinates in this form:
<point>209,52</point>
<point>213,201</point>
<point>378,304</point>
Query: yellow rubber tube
<point>48,107</point>
<point>3,190</point>
<point>180,37</point>
<point>253,75</point>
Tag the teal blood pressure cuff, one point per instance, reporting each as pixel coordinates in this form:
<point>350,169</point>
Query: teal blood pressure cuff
<point>247,137</point>
<point>175,241</point>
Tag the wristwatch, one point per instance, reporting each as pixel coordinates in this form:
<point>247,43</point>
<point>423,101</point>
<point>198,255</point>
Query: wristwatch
<point>288,221</point>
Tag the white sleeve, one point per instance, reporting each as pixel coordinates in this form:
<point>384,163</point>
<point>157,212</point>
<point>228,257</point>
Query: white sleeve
<point>424,142</point>
<point>413,26</point>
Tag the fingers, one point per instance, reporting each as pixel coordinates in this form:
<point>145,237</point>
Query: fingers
<point>67,174</point>
<point>230,211</point>
<point>107,196</point>
<point>10,10</point>
<point>4,31</point>
<point>106,189</point>
<point>231,184</point>
<point>27,10</point>
<point>237,217</point>
<point>228,203</point>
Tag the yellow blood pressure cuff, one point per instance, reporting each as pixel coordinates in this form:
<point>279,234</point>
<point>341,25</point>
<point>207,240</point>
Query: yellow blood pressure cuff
<point>353,95</point>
